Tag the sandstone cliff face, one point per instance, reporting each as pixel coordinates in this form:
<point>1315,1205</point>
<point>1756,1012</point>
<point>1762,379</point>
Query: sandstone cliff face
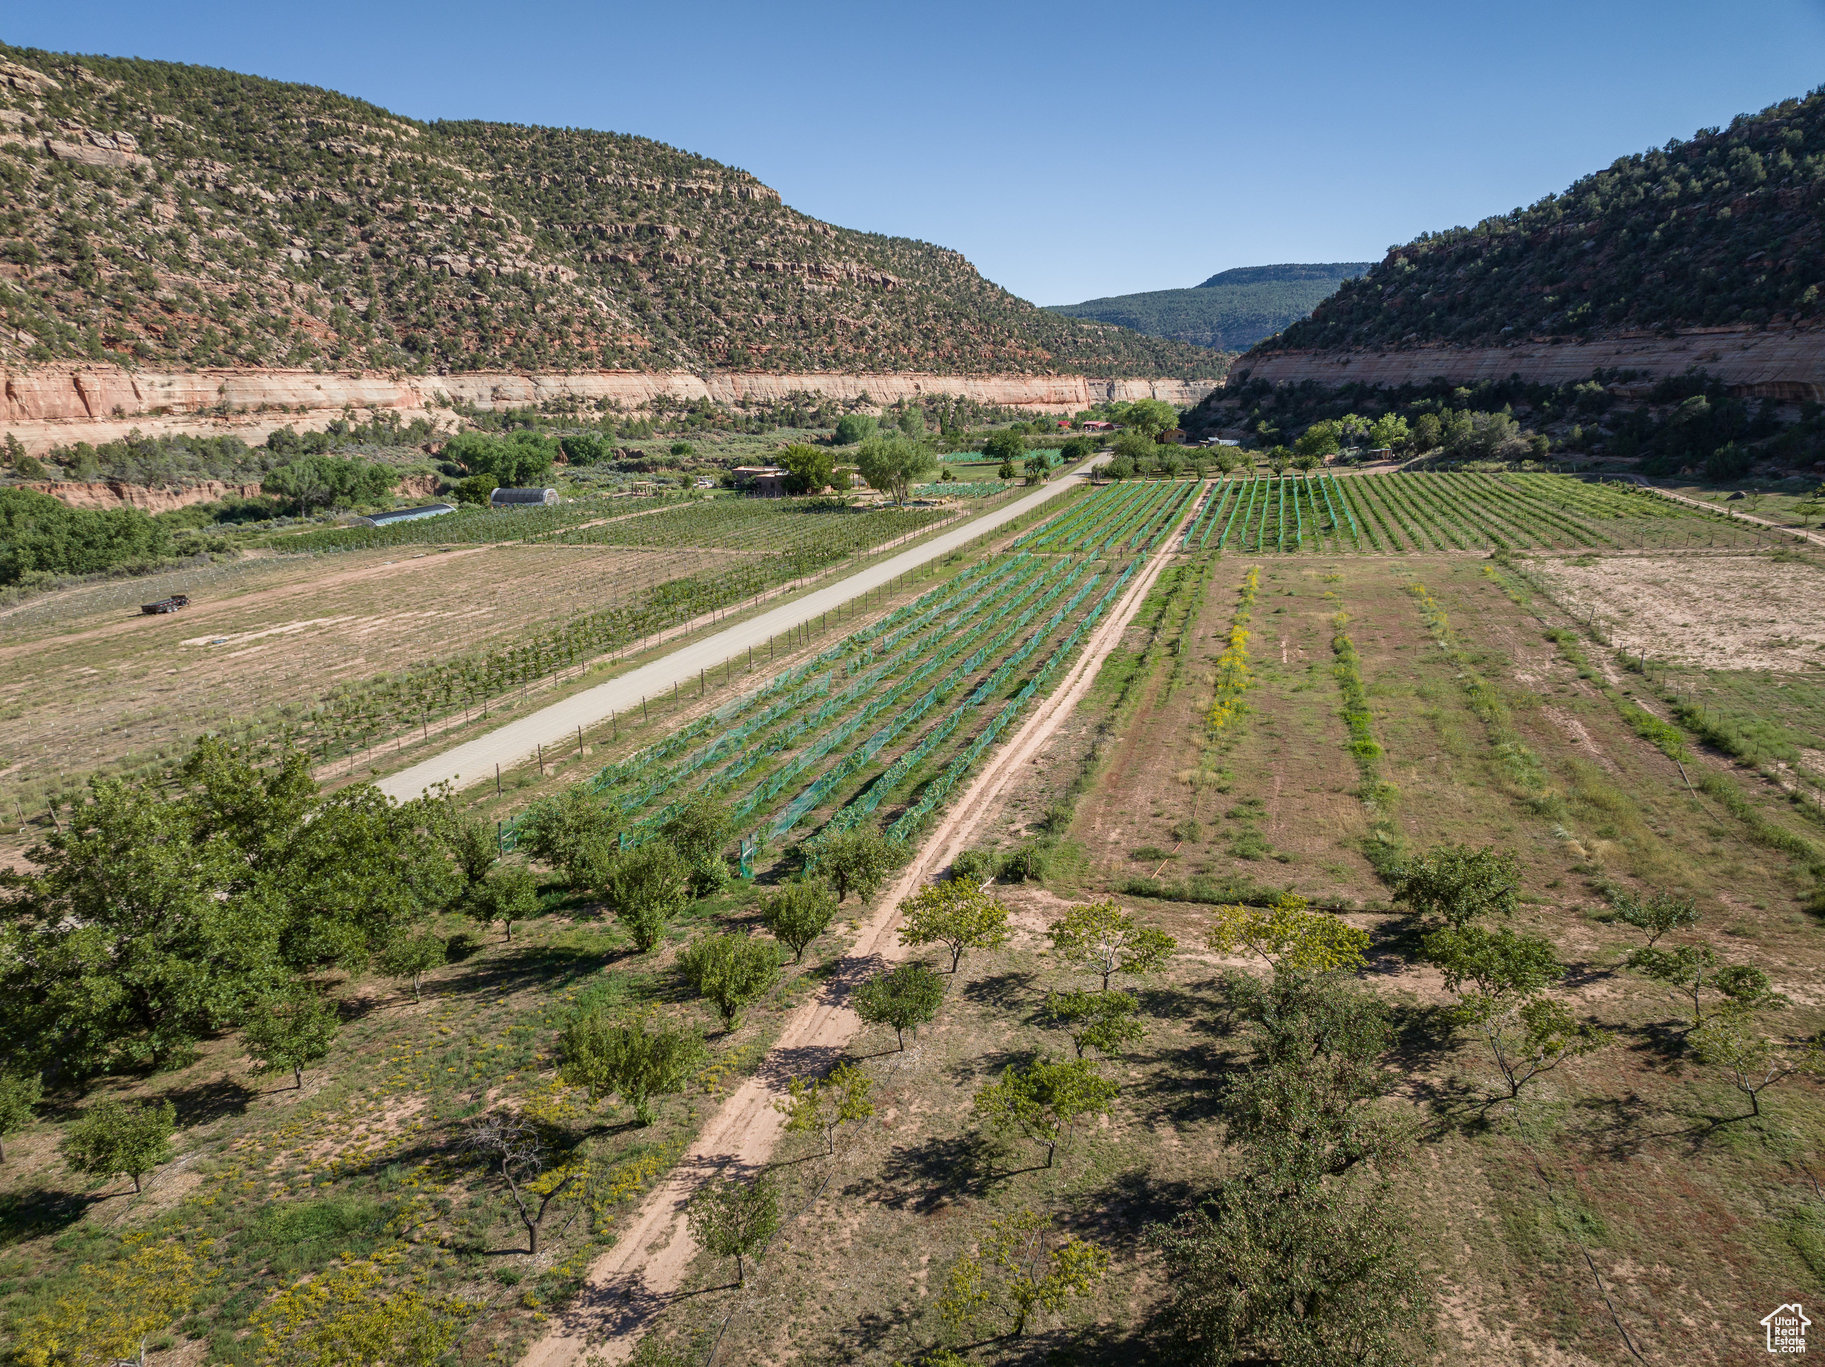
<point>1787,365</point>
<point>112,493</point>
<point>58,404</point>
<point>107,494</point>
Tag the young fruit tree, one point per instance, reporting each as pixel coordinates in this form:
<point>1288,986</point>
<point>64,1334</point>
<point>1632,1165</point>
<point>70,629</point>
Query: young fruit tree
<point>287,1034</point>
<point>905,998</point>
<point>1045,1100</point>
<point>955,914</point>
<point>1692,971</point>
<point>646,888</point>
<point>857,861</point>
<point>1018,1267</point>
<point>635,1061</point>
<point>732,970</point>
<point>732,1218</point>
<point>118,1136</point>
<point>1289,937</point>
<point>509,893</point>
<point>473,844</point>
<point>19,1097</point>
<point>1103,1021</point>
<point>1458,884</point>
<point>573,833</point>
<point>1102,939</point>
<point>821,1106</point>
<point>1729,1042</point>
<point>410,957</point>
<point>1656,914</point>
<point>1527,1035</point>
<point>798,913</point>
<point>513,1147</point>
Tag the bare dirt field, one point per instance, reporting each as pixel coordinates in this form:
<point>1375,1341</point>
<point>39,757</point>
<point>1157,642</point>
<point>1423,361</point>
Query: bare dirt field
<point>1715,612</point>
<point>101,683</point>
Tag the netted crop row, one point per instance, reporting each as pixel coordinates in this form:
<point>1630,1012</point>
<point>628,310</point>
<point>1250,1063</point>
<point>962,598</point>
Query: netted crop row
<point>830,733</point>
<point>1448,512</point>
<point>867,699</point>
<point>646,778</point>
<point>940,692</point>
<point>1094,509</point>
<point>752,524</point>
<point>962,488</point>
<point>799,718</point>
<point>467,526</point>
<point>648,773</point>
<point>1115,519</point>
<point>940,787</point>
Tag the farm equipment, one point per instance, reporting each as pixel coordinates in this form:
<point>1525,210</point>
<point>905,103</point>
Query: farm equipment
<point>171,604</point>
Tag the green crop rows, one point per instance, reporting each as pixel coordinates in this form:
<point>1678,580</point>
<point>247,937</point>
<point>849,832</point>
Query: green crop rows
<point>888,720</point>
<point>1447,512</point>
<point>1116,519</point>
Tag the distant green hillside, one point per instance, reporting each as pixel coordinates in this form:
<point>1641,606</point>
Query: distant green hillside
<point>1231,311</point>
<point>1722,230</point>
<point>157,214</point>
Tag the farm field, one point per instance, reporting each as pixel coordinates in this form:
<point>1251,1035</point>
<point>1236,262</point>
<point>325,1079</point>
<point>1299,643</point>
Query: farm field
<point>105,682</point>
<point>1404,513</point>
<point>375,642</point>
<point>1198,771</point>
<point>1632,1156</point>
<point>759,526</point>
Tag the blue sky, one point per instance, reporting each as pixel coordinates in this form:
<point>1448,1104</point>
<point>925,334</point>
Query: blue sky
<point>1069,149</point>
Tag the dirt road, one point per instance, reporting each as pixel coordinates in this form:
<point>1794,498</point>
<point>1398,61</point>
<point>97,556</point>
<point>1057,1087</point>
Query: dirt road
<point>1813,537</point>
<point>473,761</point>
<point>634,1279</point>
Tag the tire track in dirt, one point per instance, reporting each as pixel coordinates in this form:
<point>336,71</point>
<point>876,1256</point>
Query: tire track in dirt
<point>635,1279</point>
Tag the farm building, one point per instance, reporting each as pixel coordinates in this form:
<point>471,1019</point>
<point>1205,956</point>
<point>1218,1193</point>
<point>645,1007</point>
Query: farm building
<point>523,498</point>
<point>762,481</point>
<point>404,515</point>
<point>1099,427</point>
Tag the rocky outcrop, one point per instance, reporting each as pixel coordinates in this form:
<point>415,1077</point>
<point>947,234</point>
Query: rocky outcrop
<point>55,405</point>
<point>111,493</point>
<point>1786,365</point>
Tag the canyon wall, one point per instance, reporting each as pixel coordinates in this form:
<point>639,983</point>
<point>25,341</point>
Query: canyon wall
<point>53,405</point>
<point>1784,365</point>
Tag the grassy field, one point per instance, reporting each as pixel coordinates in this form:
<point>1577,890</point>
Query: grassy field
<point>99,683</point>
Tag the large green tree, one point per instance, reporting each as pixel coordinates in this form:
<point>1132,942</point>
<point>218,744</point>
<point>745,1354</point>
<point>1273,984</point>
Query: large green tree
<point>154,916</point>
<point>894,464</point>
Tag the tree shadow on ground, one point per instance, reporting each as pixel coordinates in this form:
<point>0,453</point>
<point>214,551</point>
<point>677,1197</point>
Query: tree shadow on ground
<point>1003,991</point>
<point>30,1215</point>
<point>783,1063</point>
<point>1184,1085</point>
<point>1118,1213</point>
<point>989,1065</point>
<point>931,1173</point>
<point>203,1102</point>
<point>550,968</point>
